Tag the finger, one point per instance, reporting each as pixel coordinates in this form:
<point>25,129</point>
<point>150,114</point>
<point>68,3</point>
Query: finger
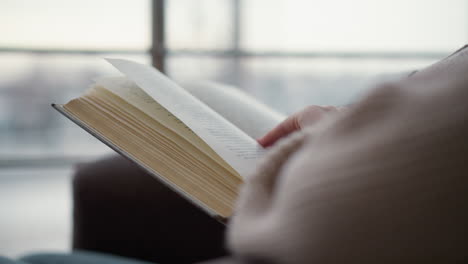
<point>284,128</point>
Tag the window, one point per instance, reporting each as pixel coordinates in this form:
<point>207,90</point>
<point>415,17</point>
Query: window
<point>50,52</point>
<point>311,52</point>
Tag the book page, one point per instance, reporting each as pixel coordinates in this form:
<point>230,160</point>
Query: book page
<point>241,109</point>
<point>130,92</point>
<point>232,144</point>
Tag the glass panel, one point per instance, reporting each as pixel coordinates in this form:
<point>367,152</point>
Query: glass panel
<point>202,24</point>
<point>29,126</point>
<point>289,84</point>
<point>36,210</point>
<point>84,24</point>
<point>359,25</point>
<point>200,68</point>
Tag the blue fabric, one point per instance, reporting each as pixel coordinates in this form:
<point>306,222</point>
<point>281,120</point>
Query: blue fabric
<point>77,257</point>
<point>4,260</point>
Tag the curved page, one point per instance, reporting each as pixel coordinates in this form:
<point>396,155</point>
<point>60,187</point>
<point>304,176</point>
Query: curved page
<point>228,141</point>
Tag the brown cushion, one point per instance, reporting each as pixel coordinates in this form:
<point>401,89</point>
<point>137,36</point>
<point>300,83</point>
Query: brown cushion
<point>122,210</point>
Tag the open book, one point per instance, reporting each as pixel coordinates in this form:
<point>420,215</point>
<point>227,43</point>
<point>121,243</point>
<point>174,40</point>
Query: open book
<point>200,141</point>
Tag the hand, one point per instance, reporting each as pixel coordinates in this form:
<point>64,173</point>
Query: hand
<point>306,117</point>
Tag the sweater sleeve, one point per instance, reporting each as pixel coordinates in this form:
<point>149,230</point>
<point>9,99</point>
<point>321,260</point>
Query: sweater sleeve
<point>385,182</point>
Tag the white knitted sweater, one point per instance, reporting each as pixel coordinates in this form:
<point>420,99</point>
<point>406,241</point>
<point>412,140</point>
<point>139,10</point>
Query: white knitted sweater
<point>386,182</point>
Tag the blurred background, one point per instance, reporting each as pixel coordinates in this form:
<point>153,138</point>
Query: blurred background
<point>286,53</point>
